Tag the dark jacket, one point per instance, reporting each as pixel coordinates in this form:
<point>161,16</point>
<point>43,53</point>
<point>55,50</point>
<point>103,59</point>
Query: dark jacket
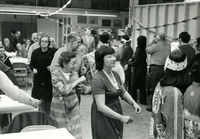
<point>126,54</point>
<point>139,61</point>
<point>42,85</point>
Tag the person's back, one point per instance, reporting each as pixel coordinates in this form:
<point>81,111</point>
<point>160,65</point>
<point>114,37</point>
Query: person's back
<point>159,50</point>
<point>184,38</point>
<point>127,52</point>
<point>159,53</point>
<point>189,51</point>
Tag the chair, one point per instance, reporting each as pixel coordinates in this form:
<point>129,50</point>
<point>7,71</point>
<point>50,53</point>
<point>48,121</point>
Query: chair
<point>25,119</point>
<point>20,71</point>
<point>37,128</point>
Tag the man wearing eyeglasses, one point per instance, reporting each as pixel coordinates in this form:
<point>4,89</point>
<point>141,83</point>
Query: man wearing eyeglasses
<point>40,61</point>
<point>73,43</point>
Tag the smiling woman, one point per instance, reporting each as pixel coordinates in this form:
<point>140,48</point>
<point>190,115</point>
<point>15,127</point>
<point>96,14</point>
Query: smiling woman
<point>106,112</point>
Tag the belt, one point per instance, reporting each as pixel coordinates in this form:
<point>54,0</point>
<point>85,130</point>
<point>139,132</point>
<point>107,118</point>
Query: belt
<point>152,65</point>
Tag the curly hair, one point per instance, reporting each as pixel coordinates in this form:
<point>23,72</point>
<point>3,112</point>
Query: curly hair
<point>65,57</point>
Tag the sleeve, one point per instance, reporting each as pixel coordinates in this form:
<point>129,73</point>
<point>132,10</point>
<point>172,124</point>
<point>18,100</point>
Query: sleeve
<point>119,69</point>
<point>32,61</point>
<point>123,54</point>
<point>151,49</point>
<point>172,112</point>
<point>135,58</point>
<point>30,51</point>
<point>59,85</point>
<point>98,86</point>
<point>54,62</point>
<point>13,91</point>
<point>93,44</point>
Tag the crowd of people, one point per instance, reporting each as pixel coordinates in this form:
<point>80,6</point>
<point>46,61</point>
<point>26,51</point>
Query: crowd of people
<point>114,71</point>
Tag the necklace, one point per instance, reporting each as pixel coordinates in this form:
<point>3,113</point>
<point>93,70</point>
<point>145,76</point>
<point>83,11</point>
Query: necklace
<point>113,82</point>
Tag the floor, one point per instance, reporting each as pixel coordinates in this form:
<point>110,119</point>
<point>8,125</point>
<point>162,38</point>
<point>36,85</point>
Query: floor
<point>139,129</point>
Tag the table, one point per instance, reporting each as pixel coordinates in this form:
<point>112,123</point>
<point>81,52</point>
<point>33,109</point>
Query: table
<point>7,105</point>
<point>61,133</point>
<point>18,60</point>
<point>11,54</point>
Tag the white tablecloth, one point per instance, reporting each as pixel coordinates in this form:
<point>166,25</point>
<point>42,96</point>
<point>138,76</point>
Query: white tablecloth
<point>10,54</point>
<point>43,134</point>
<point>7,105</point>
<point>19,59</point>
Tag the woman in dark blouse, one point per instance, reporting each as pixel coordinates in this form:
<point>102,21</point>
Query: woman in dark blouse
<point>139,70</point>
<point>106,113</point>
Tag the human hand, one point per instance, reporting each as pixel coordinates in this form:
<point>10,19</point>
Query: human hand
<point>137,108</point>
<point>48,68</point>
<point>126,67</point>
<point>82,79</point>
<point>83,70</point>
<point>37,102</point>
<point>126,119</point>
<point>80,88</point>
<point>34,71</point>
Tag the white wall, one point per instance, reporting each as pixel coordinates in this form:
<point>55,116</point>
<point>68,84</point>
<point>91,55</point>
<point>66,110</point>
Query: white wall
<point>48,27</point>
<point>166,13</point>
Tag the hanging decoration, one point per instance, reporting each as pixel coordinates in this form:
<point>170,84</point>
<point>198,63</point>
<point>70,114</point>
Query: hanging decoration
<point>50,14</point>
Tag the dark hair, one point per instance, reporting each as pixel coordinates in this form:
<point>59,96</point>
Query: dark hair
<point>179,79</point>
<point>100,53</point>
<point>142,41</point>
<point>43,37</point>
<point>126,37</point>
<point>88,28</point>
<point>104,37</point>
<point>195,68</point>
<point>65,57</point>
<point>185,37</point>
<point>13,31</point>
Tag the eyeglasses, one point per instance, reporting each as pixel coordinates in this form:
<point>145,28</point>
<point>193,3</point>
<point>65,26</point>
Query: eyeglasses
<point>79,42</point>
<point>46,41</point>
<point>72,63</point>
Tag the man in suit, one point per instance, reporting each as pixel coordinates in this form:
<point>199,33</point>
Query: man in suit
<point>88,40</point>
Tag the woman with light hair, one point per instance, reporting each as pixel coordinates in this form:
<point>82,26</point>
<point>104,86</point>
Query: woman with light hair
<point>52,43</point>
<point>34,38</point>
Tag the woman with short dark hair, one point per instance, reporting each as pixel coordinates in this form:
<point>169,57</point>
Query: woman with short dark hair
<point>66,85</point>
<point>167,105</point>
<point>106,113</point>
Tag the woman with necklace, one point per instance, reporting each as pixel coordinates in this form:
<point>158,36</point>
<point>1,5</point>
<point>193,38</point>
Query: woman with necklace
<point>192,103</point>
<point>66,84</point>
<point>106,113</point>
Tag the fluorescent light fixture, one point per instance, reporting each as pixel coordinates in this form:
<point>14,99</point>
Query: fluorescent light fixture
<point>71,12</point>
<point>17,13</point>
<point>191,1</point>
<point>104,15</point>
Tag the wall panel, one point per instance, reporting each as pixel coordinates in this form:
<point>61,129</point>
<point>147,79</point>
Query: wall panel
<point>167,13</point>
